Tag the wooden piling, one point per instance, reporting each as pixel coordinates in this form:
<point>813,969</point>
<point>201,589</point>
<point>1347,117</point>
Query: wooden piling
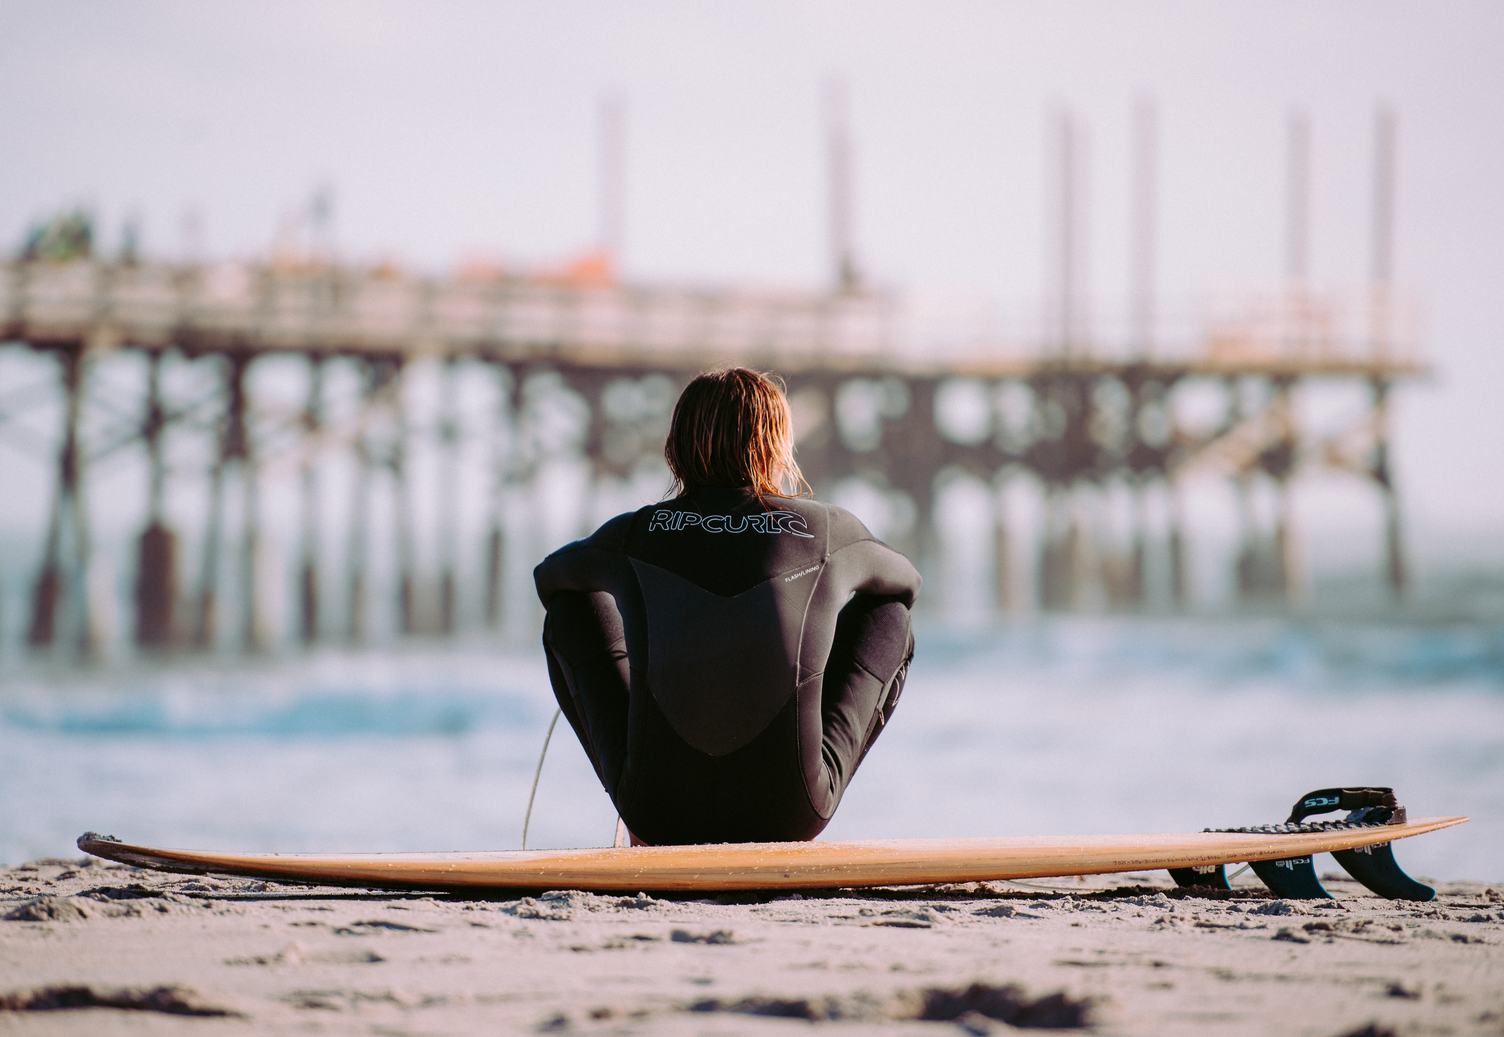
<point>1395,570</point>
<point>1138,562</point>
<point>506,427</point>
<point>402,517</point>
<point>157,548</point>
<point>1281,463</point>
<point>1062,572</point>
<point>308,569</point>
<point>59,583</point>
<point>358,536</point>
<point>1180,574</point>
<point>448,533</point>
<point>1002,567</point>
<point>255,637</point>
<point>206,622</point>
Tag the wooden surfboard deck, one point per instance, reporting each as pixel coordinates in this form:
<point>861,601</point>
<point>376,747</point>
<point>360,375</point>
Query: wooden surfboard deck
<point>761,866</point>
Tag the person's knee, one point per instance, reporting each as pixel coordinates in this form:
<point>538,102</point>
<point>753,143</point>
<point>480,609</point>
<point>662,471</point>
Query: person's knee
<point>882,638</point>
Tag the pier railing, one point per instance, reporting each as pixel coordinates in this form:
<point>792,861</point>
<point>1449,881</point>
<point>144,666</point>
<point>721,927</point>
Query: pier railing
<point>255,308</point>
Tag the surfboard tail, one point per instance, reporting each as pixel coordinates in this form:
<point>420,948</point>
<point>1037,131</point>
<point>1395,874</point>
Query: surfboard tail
<point>1295,878</point>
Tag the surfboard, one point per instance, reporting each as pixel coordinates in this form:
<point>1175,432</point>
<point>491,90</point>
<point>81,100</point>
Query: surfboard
<point>725,867</point>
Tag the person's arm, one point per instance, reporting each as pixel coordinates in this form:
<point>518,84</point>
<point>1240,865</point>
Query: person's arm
<point>882,572</point>
<point>593,564</point>
<point>866,565</point>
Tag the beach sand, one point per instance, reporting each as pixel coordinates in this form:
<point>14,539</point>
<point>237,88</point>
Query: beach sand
<point>103,948</point>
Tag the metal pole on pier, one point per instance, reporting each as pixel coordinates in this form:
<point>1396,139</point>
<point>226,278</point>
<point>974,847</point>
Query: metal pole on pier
<point>1297,233</point>
<point>613,177</point>
<point>1143,242</point>
<point>848,276</point>
<point>1065,175</point>
<point>1382,333</point>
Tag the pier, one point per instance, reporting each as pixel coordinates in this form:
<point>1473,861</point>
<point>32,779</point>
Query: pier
<point>1069,407</point>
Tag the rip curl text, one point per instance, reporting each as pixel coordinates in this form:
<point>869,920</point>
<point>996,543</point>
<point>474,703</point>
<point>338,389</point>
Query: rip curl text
<point>665,520</point>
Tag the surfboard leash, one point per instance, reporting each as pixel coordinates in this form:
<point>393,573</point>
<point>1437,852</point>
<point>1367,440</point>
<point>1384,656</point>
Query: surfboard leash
<point>527,817</point>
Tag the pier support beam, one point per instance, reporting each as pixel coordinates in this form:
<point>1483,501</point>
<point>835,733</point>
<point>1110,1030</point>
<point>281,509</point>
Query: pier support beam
<point>1180,574</point>
<point>358,538</point>
<point>913,455</point>
<point>381,392</point>
<point>449,444</point>
<point>51,593</point>
<point>1062,569</point>
<point>1138,562</point>
<point>402,515</point>
<point>504,462</point>
<point>1281,464</point>
<point>591,387</point>
<point>235,452</point>
<point>1002,549</point>
<point>308,569</point>
<point>255,636</point>
<point>157,549</point>
<point>1395,569</point>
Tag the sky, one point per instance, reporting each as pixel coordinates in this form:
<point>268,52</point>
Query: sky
<point>450,130</point>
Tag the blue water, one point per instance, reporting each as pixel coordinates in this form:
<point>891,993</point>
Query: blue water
<point>1047,726</point>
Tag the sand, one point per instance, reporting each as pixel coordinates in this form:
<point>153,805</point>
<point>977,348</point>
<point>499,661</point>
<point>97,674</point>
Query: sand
<point>87,946</point>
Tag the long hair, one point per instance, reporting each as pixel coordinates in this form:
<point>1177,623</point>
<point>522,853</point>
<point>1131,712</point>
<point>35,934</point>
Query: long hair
<point>733,428</point>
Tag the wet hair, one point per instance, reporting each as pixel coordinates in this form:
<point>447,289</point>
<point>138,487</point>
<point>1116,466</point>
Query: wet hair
<point>733,428</point>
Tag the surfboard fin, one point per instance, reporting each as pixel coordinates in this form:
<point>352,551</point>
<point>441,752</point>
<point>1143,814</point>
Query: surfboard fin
<point>1294,878</point>
<point>1208,876</point>
<point>1291,878</point>
<point>1375,866</point>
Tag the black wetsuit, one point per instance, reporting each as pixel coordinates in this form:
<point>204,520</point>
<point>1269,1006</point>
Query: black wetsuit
<point>726,662</point>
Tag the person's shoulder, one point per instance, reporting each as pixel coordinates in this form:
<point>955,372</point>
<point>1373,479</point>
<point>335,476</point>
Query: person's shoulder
<point>845,528</point>
<point>613,533</point>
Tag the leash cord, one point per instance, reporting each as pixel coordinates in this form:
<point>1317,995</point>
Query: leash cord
<point>527,818</point>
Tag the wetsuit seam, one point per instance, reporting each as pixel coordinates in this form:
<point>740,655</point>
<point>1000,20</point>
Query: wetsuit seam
<point>799,748</point>
<point>771,578</point>
<point>810,600</point>
<point>799,684</point>
<point>857,543</point>
<point>799,709</point>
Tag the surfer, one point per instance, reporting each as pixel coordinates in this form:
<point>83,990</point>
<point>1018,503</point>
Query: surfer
<point>728,656</point>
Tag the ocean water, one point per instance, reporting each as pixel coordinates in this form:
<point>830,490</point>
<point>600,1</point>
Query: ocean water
<point>1059,725</point>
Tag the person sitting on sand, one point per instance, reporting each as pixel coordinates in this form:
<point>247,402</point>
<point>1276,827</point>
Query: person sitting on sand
<point>728,656</point>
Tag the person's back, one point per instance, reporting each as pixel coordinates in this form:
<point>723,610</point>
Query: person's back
<point>728,656</point>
